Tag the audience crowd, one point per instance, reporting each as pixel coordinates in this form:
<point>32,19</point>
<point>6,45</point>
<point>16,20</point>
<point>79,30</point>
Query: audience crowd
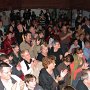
<point>44,53</point>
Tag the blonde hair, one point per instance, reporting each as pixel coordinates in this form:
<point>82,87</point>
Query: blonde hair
<point>23,52</point>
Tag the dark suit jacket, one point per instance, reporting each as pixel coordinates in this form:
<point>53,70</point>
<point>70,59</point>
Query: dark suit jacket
<point>81,86</point>
<point>2,86</point>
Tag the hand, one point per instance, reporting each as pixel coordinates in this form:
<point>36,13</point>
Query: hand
<point>61,57</point>
<point>14,86</point>
<point>58,78</point>
<point>85,66</point>
<point>18,67</point>
<point>21,85</point>
<point>63,73</point>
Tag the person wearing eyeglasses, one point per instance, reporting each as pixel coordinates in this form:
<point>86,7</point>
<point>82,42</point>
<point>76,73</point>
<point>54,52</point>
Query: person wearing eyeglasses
<point>7,80</point>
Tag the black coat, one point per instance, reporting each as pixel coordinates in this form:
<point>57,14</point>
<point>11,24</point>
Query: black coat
<point>81,86</point>
<point>46,80</point>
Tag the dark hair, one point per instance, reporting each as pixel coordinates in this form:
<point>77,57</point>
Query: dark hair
<point>68,58</point>
<point>3,57</point>
<point>28,78</point>
<point>3,64</point>
<point>56,41</point>
<point>26,33</point>
<point>8,32</point>
<point>68,88</point>
<point>74,40</point>
<point>76,50</point>
<point>14,45</point>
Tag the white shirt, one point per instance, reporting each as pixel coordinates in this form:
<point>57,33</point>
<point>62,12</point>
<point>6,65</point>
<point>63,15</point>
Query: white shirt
<point>24,68</point>
<point>8,85</point>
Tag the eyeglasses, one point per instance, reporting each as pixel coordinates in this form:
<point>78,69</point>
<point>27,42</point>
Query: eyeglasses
<point>9,72</point>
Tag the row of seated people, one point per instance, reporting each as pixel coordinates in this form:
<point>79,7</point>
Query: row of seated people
<point>49,71</point>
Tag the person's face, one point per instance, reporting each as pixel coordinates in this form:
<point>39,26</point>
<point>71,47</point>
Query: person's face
<point>77,36</point>
<point>41,35</point>
<point>5,73</point>
<point>64,29</point>
<point>9,35</point>
<point>32,83</point>
<point>28,37</point>
<point>82,37</point>
<point>44,49</point>
<point>49,29</point>
<point>38,42</point>
<point>32,30</point>
<point>16,48</point>
<point>68,63</point>
<point>19,27</point>
<point>87,45</point>
<point>6,61</point>
<point>26,55</point>
<point>11,28</point>
<point>80,53</point>
<point>52,65</point>
<point>57,45</point>
<point>75,42</point>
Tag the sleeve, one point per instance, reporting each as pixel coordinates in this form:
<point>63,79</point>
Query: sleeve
<point>46,82</point>
<point>86,54</point>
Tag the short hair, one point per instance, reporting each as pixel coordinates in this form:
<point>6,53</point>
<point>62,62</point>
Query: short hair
<point>56,41</point>
<point>3,57</point>
<point>74,40</point>
<point>85,74</point>
<point>44,44</point>
<point>68,87</point>
<point>68,58</point>
<point>23,52</point>
<point>48,60</point>
<point>28,78</point>
<point>14,45</point>
<point>26,33</point>
<point>3,64</point>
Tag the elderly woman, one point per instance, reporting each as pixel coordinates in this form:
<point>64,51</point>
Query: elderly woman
<point>49,78</point>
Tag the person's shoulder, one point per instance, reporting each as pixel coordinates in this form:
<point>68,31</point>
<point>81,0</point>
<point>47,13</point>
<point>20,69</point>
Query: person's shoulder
<point>16,78</point>
<point>43,71</point>
<point>38,87</point>
<point>22,43</point>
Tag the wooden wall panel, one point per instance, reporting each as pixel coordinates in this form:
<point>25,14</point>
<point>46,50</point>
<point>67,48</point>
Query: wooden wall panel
<point>62,4</point>
<point>45,3</point>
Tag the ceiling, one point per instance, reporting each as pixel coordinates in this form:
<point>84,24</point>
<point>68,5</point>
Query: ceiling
<point>62,4</point>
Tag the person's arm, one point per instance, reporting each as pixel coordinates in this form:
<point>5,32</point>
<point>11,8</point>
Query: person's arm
<point>69,34</point>
<point>87,56</point>
<point>47,82</point>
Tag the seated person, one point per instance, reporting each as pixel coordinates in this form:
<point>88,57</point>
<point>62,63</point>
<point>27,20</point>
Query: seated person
<point>68,88</point>
<point>30,83</point>
<point>49,77</point>
<point>7,80</point>
<point>73,46</point>
<point>84,83</point>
